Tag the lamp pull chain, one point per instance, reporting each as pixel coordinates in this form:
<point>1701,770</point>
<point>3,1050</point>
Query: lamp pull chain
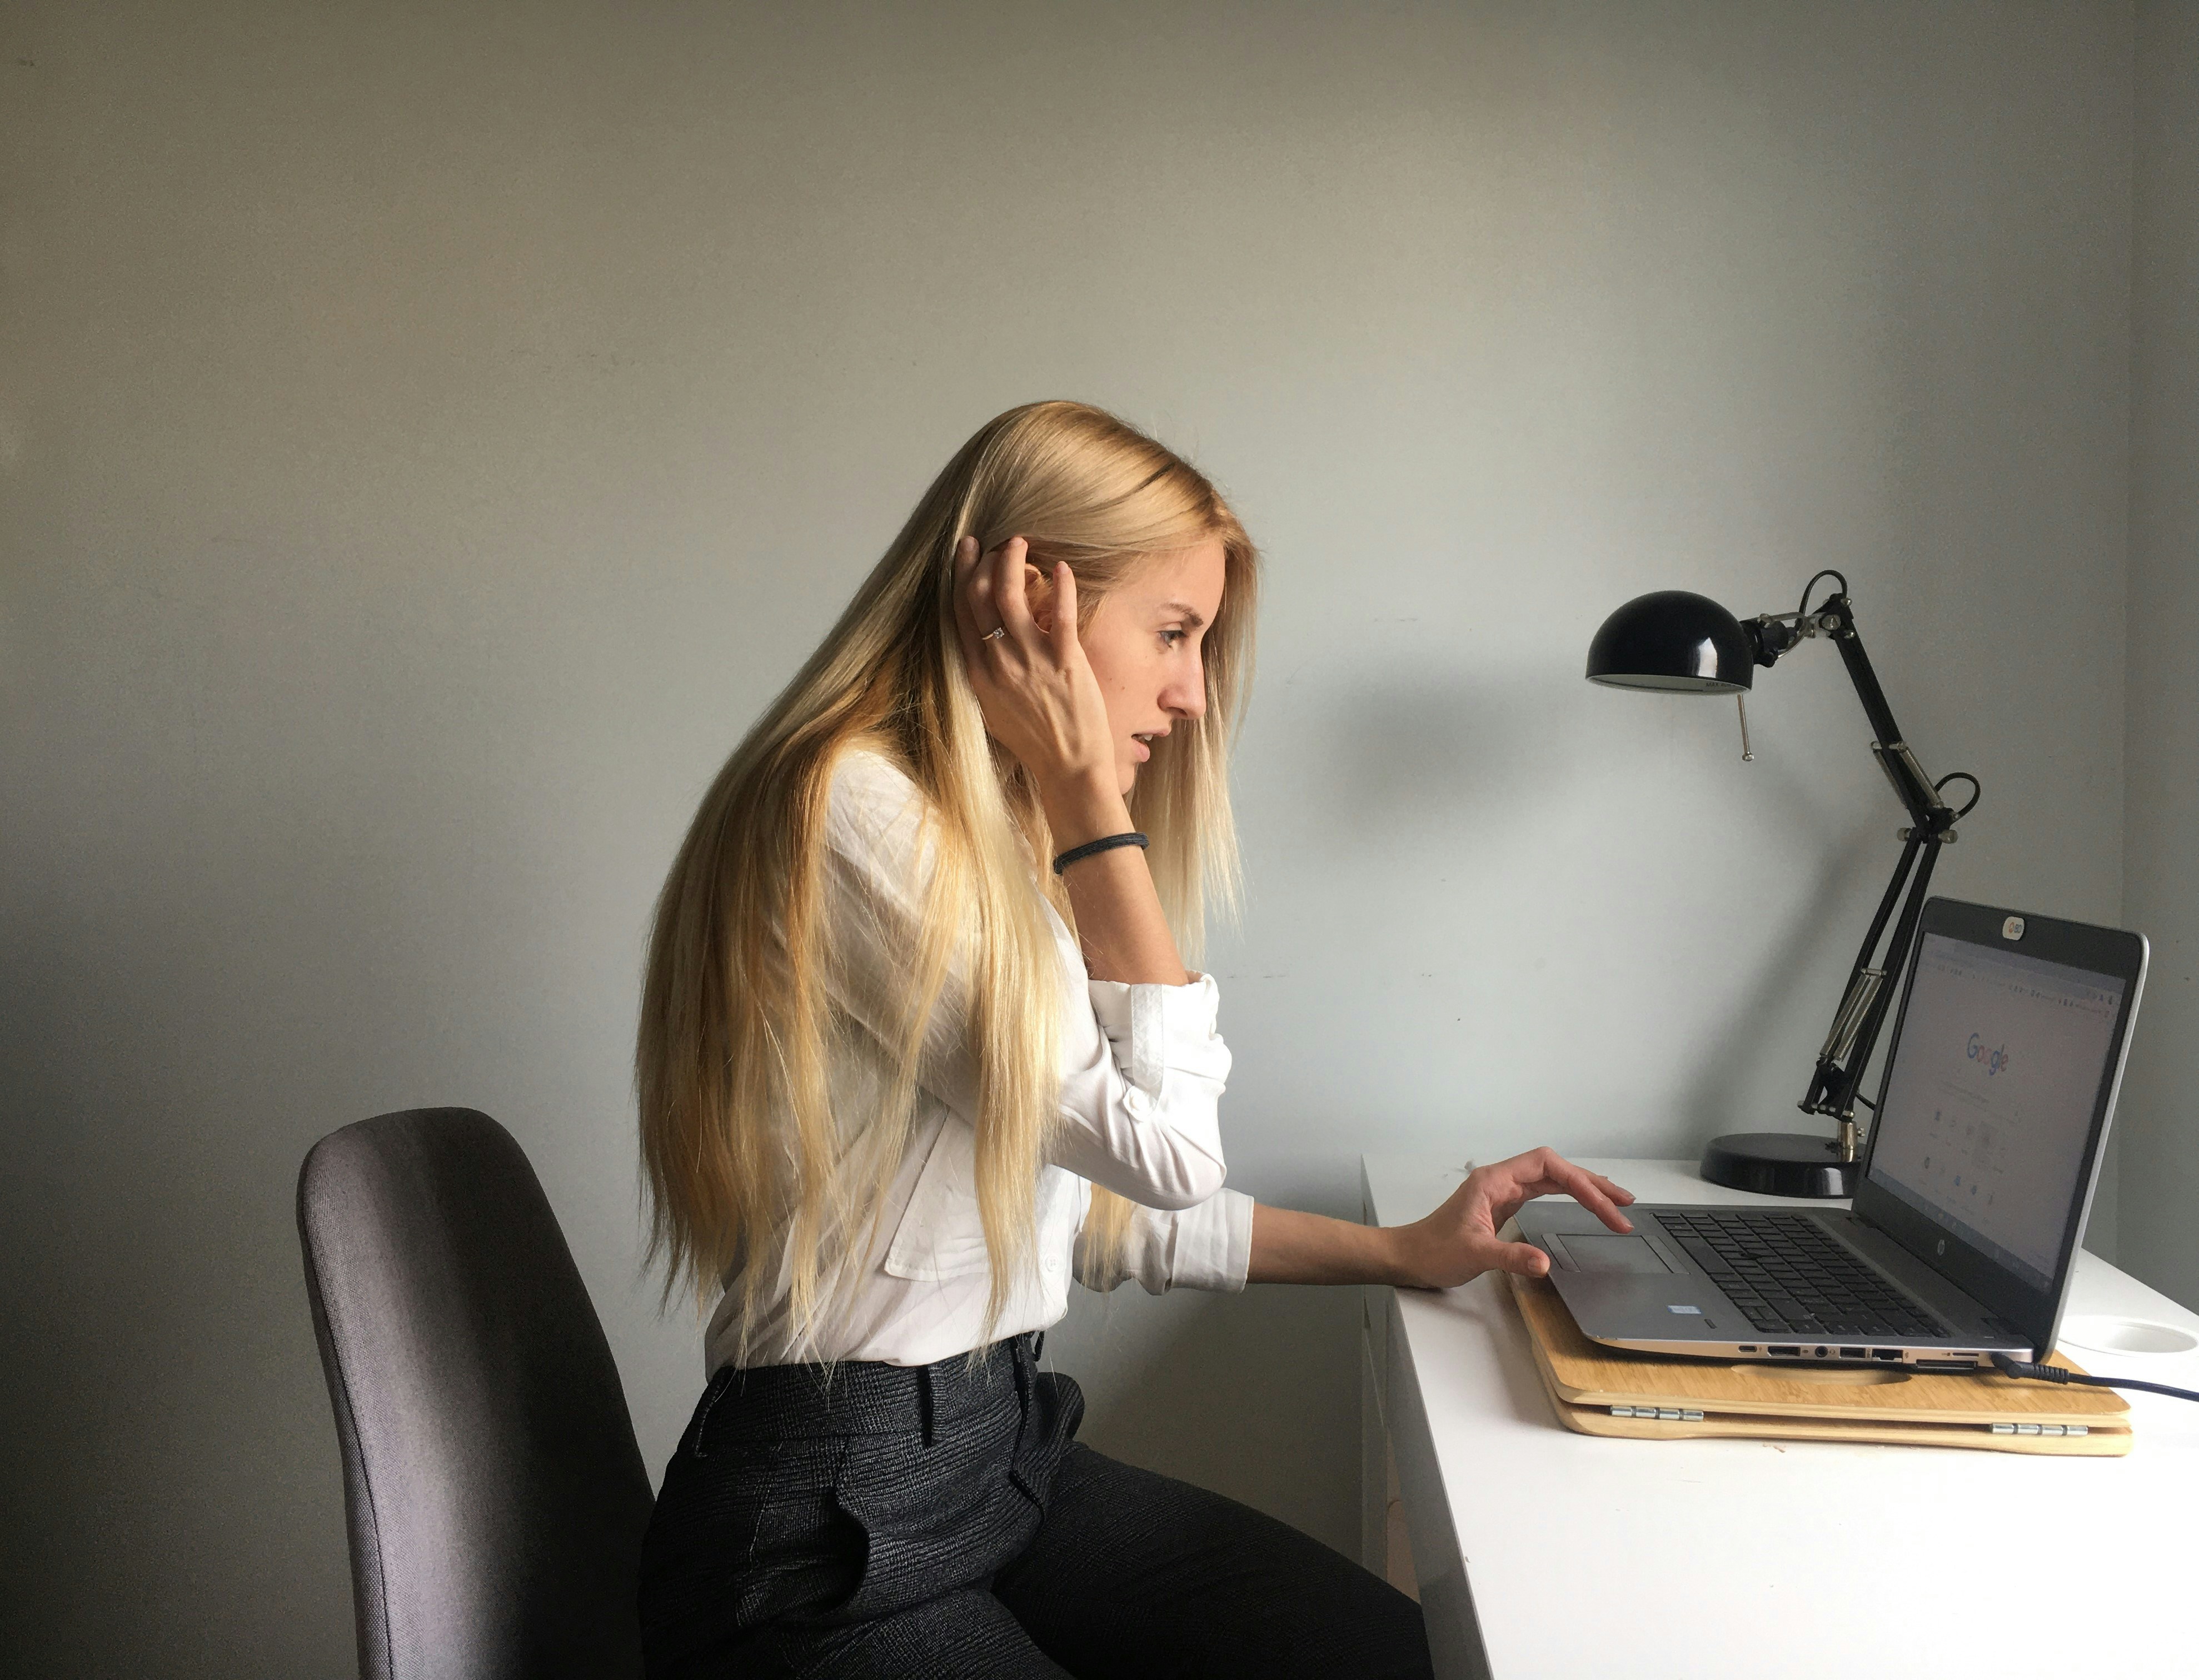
<point>1747,756</point>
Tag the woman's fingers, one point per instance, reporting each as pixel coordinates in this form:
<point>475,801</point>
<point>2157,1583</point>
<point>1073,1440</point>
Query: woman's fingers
<point>1065,612</point>
<point>1463,1232</point>
<point>1525,1259</point>
<point>1033,683</point>
<point>1561,1177</point>
<point>1464,1252</point>
<point>984,590</point>
<point>966,578</point>
<point>1594,1192</point>
<point>1544,1172</point>
<point>1010,600</point>
<point>992,595</point>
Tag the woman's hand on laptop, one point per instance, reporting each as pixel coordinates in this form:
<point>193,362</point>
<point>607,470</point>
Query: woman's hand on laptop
<point>1458,1241</point>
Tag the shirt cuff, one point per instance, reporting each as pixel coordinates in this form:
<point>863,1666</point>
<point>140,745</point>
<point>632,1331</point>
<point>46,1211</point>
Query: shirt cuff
<point>1150,1027</point>
<point>1207,1247</point>
<point>1213,1243</point>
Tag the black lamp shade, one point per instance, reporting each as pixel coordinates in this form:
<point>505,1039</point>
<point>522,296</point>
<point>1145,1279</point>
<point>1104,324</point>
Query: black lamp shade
<point>1674,641</point>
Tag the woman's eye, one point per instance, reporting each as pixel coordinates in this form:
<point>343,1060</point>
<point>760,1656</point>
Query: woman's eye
<point>1170,638</point>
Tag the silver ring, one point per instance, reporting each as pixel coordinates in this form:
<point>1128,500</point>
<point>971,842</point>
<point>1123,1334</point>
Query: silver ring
<point>994,633</point>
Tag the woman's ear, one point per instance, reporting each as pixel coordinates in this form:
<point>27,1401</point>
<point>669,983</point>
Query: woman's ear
<point>1038,590</point>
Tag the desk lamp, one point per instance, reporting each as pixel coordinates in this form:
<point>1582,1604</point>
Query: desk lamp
<point>1680,643</point>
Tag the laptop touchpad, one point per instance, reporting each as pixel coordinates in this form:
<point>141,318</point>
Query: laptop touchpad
<point>1594,1252</point>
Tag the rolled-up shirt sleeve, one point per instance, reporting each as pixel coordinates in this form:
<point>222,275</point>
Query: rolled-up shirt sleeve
<point>1209,1246</point>
<point>1143,1066</point>
<point>1143,1074</point>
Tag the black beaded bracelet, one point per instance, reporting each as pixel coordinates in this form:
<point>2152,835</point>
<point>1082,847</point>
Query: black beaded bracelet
<point>1093,848</point>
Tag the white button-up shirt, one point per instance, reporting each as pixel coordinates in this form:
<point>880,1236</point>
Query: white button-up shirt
<point>1142,1075</point>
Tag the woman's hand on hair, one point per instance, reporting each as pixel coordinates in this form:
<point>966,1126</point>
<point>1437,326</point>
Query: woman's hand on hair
<point>1458,1241</point>
<point>1035,686</point>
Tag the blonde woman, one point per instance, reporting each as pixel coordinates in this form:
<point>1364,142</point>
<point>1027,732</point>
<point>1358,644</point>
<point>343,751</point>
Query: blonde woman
<point>918,1045</point>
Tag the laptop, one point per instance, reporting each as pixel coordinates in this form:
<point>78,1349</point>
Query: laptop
<point>1992,1115</point>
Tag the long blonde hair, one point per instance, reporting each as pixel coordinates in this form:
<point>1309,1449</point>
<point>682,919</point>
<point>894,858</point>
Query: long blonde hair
<point>738,1136</point>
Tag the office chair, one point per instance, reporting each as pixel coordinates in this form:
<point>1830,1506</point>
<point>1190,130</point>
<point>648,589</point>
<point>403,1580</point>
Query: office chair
<point>495,1496</point>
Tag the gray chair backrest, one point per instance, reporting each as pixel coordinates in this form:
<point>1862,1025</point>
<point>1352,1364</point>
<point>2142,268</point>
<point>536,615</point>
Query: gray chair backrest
<point>496,1497</point>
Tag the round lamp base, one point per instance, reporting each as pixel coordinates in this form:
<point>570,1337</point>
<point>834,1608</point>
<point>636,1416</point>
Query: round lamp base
<point>1779,1163</point>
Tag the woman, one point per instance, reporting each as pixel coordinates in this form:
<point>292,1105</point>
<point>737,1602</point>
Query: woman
<point>917,1044</point>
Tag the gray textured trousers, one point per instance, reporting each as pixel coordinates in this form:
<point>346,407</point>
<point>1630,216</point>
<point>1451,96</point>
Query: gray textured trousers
<point>943,1520</point>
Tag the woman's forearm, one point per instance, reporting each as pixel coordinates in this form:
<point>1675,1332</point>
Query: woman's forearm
<point>1293,1247</point>
<point>1119,920</point>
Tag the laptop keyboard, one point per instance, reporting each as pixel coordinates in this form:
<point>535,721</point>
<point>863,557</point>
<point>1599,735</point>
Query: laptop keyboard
<point>1791,1279</point>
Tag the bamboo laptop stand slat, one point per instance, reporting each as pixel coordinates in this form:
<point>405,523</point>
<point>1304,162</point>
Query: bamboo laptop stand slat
<point>1660,1398</point>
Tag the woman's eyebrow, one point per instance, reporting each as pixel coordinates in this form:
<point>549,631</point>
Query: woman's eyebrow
<point>1191,616</point>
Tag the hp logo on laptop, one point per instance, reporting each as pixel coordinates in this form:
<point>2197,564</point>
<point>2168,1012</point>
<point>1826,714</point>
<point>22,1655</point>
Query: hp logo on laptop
<point>2012,928</point>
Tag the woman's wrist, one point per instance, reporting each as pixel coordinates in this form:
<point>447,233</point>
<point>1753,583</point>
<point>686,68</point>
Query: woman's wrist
<point>1293,1247</point>
<point>1399,1249</point>
<point>1083,806</point>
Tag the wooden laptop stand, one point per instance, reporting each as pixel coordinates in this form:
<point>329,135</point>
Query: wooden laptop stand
<point>1602,1390</point>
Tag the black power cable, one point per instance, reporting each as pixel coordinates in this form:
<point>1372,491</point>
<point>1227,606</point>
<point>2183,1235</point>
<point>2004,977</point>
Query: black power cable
<point>1977,789</point>
<point>2055,1374</point>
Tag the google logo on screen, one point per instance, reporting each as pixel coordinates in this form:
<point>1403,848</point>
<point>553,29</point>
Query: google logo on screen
<point>1995,1061</point>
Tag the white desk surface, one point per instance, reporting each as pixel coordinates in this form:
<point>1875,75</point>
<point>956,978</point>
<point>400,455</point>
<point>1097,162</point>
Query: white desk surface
<point>1590,1556</point>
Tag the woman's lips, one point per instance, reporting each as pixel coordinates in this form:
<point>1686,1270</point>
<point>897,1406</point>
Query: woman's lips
<point>1140,749</point>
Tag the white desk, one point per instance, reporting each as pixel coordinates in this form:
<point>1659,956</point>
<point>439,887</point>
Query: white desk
<point>1541,1553</point>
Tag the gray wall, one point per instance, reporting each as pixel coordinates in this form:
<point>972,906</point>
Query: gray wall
<point>430,434</point>
<point>2161,1144</point>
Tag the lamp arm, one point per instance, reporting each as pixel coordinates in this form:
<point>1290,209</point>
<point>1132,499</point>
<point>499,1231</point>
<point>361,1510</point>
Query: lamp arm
<point>1846,1055</point>
<point>1774,634</point>
<point>1836,618</point>
<point>1849,642</point>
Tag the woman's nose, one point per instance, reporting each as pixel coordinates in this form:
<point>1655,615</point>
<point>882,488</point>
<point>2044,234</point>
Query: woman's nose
<point>1186,697</point>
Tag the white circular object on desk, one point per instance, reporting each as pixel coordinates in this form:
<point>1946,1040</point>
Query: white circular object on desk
<point>2101,1333</point>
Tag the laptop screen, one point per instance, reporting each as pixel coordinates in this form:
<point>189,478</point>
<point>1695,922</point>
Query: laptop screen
<point>1987,1109</point>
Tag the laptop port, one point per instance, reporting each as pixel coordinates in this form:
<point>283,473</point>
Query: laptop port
<point>1853,1353</point>
<point>1748,1347</point>
<point>1891,1354</point>
<point>1821,1353</point>
<point>1790,1353</point>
